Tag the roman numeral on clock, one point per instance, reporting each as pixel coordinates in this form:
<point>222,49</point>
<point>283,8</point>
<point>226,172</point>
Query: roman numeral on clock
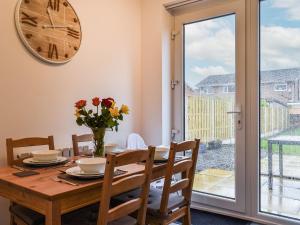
<point>54,4</point>
<point>52,52</point>
<point>29,20</point>
<point>73,33</point>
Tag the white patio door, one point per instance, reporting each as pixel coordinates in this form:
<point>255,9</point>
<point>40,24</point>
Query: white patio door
<point>209,103</point>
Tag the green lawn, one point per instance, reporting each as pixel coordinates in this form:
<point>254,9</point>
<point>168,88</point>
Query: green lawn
<point>287,149</point>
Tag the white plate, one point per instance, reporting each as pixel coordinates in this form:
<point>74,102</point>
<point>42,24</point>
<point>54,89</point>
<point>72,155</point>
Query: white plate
<point>118,150</point>
<point>77,172</point>
<point>43,161</point>
<point>31,161</point>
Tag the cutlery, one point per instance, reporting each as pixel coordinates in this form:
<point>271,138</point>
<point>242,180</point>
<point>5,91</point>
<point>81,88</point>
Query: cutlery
<point>18,168</point>
<point>69,163</point>
<point>62,171</point>
<point>63,181</point>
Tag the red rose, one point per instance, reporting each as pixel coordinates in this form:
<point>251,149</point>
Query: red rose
<point>107,102</point>
<point>96,101</point>
<point>80,104</point>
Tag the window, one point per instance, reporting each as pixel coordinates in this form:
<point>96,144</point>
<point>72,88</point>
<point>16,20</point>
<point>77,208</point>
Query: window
<point>280,87</point>
<point>206,115</point>
<point>279,120</point>
<point>229,89</point>
<point>207,90</point>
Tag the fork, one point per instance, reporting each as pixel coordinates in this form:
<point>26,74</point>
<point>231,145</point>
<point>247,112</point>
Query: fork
<point>63,181</point>
<point>18,168</point>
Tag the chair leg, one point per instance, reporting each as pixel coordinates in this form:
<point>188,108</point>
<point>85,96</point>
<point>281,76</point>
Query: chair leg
<point>187,218</point>
<point>12,220</point>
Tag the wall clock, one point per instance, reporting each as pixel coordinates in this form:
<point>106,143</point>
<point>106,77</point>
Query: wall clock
<point>50,29</point>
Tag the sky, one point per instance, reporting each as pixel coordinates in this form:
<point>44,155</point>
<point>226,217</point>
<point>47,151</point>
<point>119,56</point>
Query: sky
<point>210,44</point>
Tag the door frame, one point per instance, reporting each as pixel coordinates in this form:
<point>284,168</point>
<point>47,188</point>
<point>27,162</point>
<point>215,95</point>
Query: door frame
<point>253,134</point>
<point>214,10</point>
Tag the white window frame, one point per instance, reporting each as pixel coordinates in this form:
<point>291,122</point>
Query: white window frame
<point>208,90</point>
<point>252,138</point>
<point>226,89</point>
<point>214,9</point>
<point>251,210</point>
<point>276,85</point>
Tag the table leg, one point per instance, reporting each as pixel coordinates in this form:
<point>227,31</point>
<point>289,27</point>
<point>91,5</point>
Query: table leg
<point>270,165</point>
<point>53,214</point>
<point>280,161</point>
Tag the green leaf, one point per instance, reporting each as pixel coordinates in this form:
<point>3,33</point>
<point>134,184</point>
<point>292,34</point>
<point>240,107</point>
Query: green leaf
<point>79,121</point>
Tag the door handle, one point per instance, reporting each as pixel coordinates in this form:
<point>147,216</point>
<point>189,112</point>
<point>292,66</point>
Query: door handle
<point>234,112</point>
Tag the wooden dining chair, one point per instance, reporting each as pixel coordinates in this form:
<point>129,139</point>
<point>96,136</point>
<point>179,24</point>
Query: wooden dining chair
<point>173,207</point>
<point>76,139</point>
<point>119,214</point>
<point>11,146</point>
<point>167,206</point>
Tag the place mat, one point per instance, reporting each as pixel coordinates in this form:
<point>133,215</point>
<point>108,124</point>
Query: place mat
<point>77,180</point>
<point>162,161</point>
<point>26,173</point>
<point>37,167</point>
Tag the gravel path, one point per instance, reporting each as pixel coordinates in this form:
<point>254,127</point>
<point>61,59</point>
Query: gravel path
<point>222,158</point>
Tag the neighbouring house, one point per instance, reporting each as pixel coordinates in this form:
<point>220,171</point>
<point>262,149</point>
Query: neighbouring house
<point>281,86</point>
<point>189,91</point>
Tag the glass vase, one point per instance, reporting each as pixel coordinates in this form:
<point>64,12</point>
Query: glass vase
<point>99,134</point>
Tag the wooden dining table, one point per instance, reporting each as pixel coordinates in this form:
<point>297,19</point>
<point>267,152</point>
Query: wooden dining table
<point>52,199</point>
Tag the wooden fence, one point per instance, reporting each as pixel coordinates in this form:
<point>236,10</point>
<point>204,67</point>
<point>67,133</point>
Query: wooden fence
<point>274,118</point>
<point>208,119</point>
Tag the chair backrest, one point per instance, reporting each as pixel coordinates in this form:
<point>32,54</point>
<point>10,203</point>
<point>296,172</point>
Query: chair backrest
<point>112,188</point>
<point>185,167</point>
<point>11,145</point>
<point>80,138</point>
<point>135,141</point>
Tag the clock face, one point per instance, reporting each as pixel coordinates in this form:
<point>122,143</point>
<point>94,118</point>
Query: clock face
<point>50,29</point>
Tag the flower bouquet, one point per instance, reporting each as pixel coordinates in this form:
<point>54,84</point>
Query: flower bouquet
<point>106,116</point>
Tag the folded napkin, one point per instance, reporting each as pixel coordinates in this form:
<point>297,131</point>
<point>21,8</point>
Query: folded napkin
<point>26,173</point>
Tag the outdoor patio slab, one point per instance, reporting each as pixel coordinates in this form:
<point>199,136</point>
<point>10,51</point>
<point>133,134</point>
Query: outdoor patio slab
<point>215,181</point>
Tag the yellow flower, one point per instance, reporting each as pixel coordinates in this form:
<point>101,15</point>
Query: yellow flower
<point>77,114</point>
<point>113,103</point>
<point>124,109</point>
<point>114,112</point>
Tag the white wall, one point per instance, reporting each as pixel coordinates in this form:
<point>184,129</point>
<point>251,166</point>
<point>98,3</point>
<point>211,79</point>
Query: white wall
<point>37,99</point>
<point>156,72</point>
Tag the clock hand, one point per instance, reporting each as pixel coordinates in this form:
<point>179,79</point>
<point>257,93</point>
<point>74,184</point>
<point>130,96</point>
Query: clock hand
<point>50,17</point>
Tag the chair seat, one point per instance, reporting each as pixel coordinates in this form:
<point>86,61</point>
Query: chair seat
<point>28,216</point>
<point>85,216</point>
<point>79,217</point>
<point>93,217</point>
<point>154,201</point>
<point>127,220</point>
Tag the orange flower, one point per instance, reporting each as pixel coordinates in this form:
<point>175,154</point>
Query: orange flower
<point>96,101</point>
<point>125,109</point>
<point>114,112</point>
<point>77,114</point>
<point>80,104</point>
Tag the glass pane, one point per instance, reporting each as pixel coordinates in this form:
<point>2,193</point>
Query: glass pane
<point>209,96</point>
<point>280,108</point>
